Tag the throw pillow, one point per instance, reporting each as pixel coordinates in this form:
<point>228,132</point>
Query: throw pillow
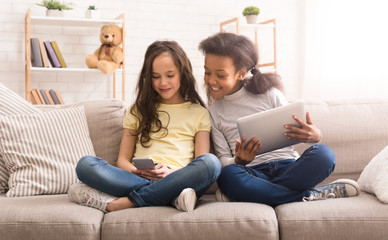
<point>11,104</point>
<point>374,177</point>
<point>105,122</point>
<point>41,150</point>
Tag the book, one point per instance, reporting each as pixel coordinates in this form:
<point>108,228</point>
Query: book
<point>36,57</point>
<point>34,97</point>
<point>54,96</point>
<point>59,97</point>
<point>45,99</point>
<point>59,54</point>
<point>51,55</point>
<point>39,96</point>
<point>48,95</point>
<point>43,52</point>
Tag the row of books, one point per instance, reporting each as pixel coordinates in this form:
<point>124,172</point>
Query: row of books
<point>44,53</point>
<point>41,96</point>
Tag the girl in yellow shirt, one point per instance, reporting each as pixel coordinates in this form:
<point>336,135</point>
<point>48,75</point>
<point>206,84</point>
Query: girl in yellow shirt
<point>169,123</point>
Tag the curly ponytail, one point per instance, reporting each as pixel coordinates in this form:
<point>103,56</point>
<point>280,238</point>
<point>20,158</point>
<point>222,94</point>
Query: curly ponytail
<point>260,82</point>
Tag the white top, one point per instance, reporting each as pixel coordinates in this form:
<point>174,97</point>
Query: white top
<point>227,110</point>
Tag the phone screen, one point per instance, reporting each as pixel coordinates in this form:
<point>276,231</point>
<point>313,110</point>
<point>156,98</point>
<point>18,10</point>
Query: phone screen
<point>143,163</point>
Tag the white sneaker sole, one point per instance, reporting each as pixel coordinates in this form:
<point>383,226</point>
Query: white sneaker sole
<point>188,201</point>
<point>352,187</point>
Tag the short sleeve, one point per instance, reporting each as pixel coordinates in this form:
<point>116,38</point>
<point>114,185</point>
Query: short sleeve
<point>204,123</point>
<point>130,121</point>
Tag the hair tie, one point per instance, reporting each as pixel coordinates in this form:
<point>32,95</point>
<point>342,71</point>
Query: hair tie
<point>255,70</point>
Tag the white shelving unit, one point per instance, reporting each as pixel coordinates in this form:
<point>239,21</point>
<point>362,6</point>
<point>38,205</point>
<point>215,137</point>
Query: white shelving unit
<point>38,20</point>
<point>235,24</point>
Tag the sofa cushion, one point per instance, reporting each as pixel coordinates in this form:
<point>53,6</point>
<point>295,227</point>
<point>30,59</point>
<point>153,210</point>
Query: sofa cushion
<point>353,129</point>
<point>209,220</point>
<point>105,122</point>
<point>11,104</point>
<point>374,178</point>
<point>362,217</point>
<point>41,150</point>
<point>47,217</point>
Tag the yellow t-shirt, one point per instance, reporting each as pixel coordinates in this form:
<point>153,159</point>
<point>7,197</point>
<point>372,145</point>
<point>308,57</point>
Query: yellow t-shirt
<point>176,149</point>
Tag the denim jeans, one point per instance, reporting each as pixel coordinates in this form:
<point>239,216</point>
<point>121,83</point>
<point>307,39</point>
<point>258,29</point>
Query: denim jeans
<point>199,175</point>
<point>278,182</point>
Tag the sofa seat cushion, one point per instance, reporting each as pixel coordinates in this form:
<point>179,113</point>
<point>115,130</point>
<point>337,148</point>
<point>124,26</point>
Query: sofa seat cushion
<point>209,220</point>
<point>47,217</point>
<point>362,217</point>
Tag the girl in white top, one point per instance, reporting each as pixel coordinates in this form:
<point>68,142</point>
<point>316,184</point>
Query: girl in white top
<point>237,88</point>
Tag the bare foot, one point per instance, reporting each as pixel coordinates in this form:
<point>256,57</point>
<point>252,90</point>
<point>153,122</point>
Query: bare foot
<point>118,204</point>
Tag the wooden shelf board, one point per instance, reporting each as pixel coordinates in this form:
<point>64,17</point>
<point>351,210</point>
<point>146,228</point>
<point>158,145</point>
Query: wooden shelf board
<point>80,69</point>
<point>82,22</point>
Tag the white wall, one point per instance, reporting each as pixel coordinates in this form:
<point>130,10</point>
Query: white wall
<point>187,22</point>
<point>346,49</point>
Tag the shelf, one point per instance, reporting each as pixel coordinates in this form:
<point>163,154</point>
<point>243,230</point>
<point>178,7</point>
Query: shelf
<point>51,69</point>
<point>81,22</point>
<point>238,24</point>
<point>255,26</point>
<point>72,22</point>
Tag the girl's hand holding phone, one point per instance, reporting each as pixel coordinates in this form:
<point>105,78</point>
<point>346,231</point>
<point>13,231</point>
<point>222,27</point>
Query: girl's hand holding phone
<point>156,174</point>
<point>307,132</point>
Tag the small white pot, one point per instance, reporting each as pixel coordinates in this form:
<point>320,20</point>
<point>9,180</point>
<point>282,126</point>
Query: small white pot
<point>251,19</point>
<point>94,14</point>
<point>54,13</point>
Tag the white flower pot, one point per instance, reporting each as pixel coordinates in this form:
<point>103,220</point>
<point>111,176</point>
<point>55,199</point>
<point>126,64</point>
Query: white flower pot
<point>251,19</point>
<point>54,13</point>
<point>94,14</point>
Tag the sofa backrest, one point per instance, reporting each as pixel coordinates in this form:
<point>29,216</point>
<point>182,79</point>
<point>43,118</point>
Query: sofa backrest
<point>356,130</point>
<point>105,122</point>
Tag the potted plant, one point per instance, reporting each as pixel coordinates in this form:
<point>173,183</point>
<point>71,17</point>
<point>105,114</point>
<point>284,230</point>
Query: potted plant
<point>55,8</point>
<point>250,13</point>
<point>92,12</point>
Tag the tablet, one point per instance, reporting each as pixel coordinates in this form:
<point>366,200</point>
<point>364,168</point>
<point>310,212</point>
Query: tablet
<point>269,126</point>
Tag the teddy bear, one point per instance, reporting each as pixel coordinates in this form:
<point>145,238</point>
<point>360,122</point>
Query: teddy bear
<point>109,56</point>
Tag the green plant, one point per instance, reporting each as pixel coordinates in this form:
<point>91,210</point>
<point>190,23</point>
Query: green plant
<point>251,10</point>
<point>92,7</point>
<point>54,4</point>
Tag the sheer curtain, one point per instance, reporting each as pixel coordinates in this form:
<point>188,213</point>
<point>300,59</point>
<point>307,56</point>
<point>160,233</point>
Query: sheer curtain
<point>346,49</point>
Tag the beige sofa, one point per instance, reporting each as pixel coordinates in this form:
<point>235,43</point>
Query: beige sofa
<point>355,130</point>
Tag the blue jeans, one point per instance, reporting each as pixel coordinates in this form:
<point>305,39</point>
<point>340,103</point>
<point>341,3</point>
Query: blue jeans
<point>278,182</point>
<point>199,175</point>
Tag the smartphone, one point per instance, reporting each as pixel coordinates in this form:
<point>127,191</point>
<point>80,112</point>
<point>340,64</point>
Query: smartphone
<point>143,163</point>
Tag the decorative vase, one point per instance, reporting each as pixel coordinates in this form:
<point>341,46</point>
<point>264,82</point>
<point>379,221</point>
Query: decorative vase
<point>54,13</point>
<point>94,14</point>
<point>251,19</point>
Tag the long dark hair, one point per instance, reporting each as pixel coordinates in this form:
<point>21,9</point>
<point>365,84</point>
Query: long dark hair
<point>244,54</point>
<point>147,99</point>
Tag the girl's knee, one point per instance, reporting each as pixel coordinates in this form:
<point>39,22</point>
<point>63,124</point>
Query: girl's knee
<point>211,162</point>
<point>231,182</point>
<point>84,165</point>
<point>325,155</point>
<point>228,174</point>
<point>230,170</point>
